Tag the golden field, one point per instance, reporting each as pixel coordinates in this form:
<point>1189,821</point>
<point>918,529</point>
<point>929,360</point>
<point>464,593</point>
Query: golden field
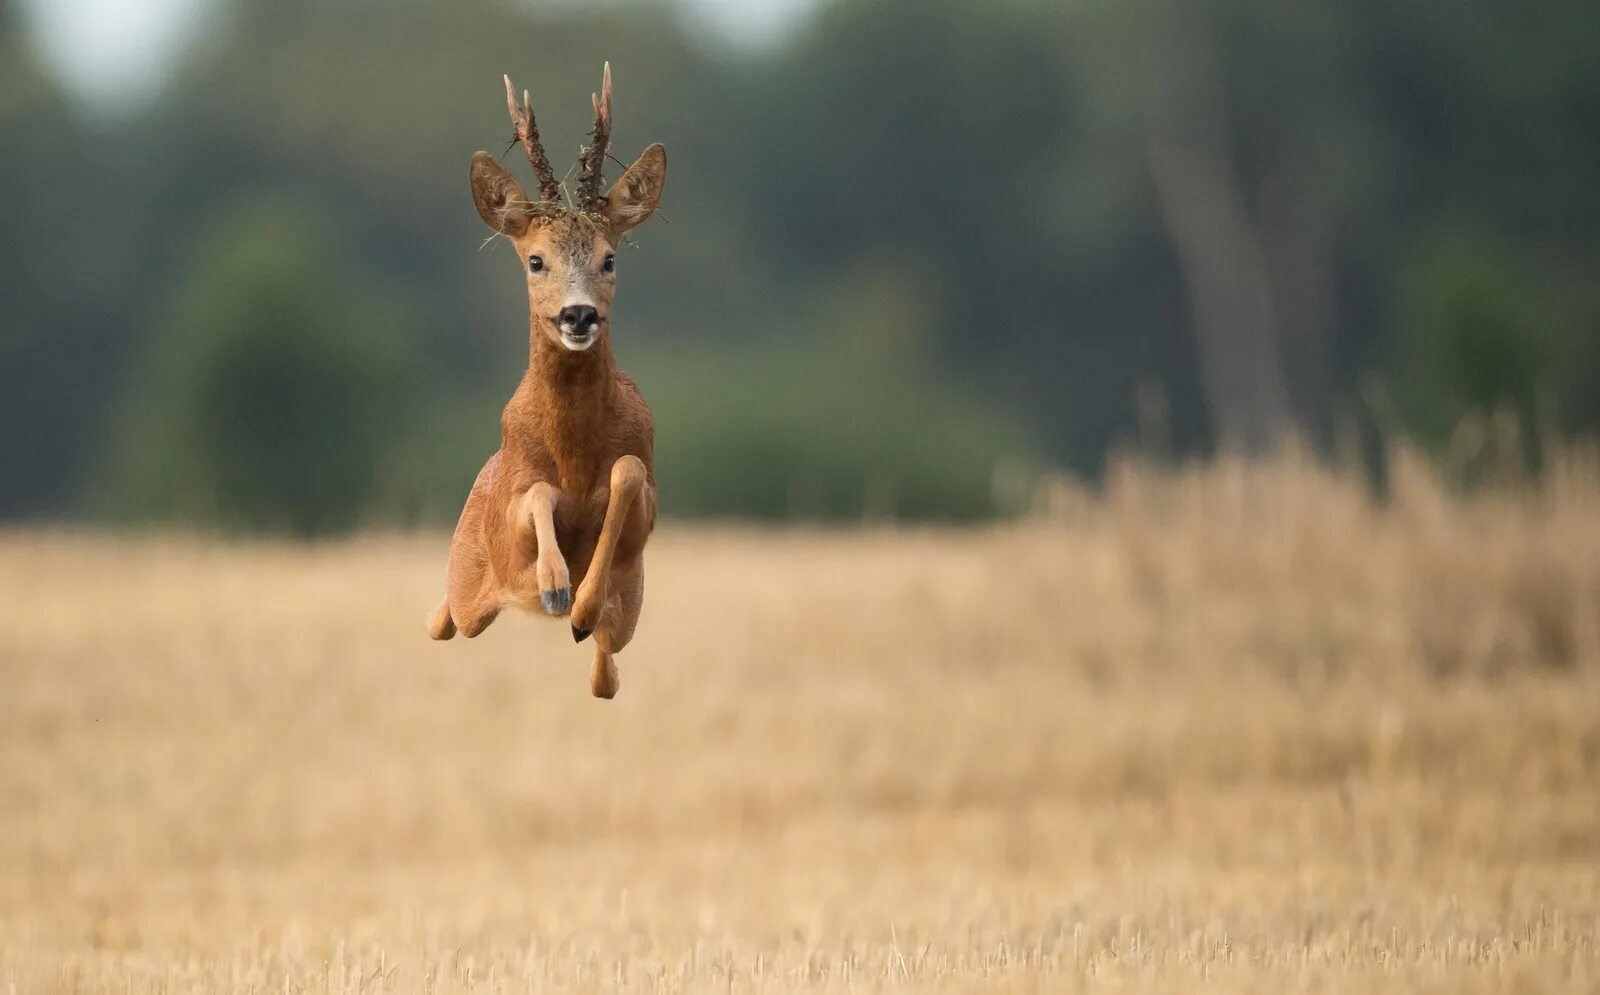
<point>1219,729</point>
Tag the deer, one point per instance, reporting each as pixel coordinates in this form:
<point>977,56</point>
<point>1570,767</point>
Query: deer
<point>568,501</point>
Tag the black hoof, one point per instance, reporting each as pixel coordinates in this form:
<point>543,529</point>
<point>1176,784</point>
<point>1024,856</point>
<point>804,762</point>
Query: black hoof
<point>579,635</point>
<point>556,602</point>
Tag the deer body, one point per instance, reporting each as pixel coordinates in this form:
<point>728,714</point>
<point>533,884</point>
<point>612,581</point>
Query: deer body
<point>558,517</point>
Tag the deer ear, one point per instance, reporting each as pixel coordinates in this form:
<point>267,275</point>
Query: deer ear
<point>634,197</point>
<point>500,199</point>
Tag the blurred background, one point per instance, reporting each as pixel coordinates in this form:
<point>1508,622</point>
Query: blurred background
<point>912,257</point>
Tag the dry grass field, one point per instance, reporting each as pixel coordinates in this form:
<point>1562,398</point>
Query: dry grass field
<point>1215,730</point>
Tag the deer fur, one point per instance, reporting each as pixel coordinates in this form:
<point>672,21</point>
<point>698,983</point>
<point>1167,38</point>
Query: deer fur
<point>568,501</point>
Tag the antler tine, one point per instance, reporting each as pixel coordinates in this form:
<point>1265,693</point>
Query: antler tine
<point>592,160</point>
<point>527,132</point>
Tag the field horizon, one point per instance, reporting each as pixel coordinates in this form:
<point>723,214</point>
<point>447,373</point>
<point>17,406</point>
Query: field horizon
<point>1227,728</point>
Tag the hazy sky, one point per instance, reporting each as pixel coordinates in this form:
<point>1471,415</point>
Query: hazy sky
<point>118,50</point>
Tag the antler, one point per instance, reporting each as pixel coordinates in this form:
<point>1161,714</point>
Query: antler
<point>592,160</point>
<point>527,132</point>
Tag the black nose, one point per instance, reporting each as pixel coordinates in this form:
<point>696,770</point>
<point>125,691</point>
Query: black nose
<point>580,319</point>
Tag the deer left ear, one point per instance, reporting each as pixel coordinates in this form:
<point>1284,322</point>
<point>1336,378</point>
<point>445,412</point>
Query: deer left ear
<point>634,197</point>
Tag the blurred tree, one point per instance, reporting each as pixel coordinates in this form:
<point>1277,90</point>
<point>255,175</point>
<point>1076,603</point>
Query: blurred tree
<point>274,392</point>
<point>1220,249</point>
<point>1257,160</point>
<point>887,131</point>
<point>51,373</point>
<point>818,431</point>
<point>1485,226</point>
<point>1476,337</point>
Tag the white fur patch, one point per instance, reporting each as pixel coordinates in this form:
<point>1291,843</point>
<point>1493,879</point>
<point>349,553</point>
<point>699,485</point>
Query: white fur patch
<point>577,345</point>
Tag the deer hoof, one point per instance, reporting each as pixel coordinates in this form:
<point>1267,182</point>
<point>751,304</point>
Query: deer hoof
<point>556,602</point>
<point>603,679</point>
<point>579,635</point>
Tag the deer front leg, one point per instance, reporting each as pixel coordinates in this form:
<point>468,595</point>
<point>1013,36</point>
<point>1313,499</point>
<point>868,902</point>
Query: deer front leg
<point>628,478</point>
<point>536,510</point>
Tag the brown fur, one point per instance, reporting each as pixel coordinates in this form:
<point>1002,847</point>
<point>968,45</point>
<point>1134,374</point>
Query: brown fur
<point>559,516</point>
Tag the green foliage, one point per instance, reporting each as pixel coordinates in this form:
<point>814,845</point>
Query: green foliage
<point>50,354</point>
<point>1480,335</point>
<point>821,432</point>
<point>907,242</point>
<point>274,390</point>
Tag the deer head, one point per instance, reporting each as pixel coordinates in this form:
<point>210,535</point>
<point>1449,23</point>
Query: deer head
<point>568,253</point>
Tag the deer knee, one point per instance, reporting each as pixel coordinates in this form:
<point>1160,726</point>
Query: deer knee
<point>440,624</point>
<point>473,619</point>
<point>537,502</point>
<point>628,475</point>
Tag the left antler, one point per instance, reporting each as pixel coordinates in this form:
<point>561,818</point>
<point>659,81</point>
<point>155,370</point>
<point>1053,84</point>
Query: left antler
<point>592,160</point>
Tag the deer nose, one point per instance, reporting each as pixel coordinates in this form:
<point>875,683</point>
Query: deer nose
<point>580,319</point>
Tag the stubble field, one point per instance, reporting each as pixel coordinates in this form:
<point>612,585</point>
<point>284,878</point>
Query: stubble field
<point>1220,730</point>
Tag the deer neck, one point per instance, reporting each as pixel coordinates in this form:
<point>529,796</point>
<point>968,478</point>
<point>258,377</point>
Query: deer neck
<point>570,397</point>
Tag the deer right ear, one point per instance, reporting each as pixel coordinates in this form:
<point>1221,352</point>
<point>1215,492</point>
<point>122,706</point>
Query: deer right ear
<point>499,198</point>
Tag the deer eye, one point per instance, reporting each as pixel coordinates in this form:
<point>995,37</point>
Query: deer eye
<point>610,265</point>
<point>536,264</point>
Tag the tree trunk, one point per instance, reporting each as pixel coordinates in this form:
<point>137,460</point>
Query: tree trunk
<point>1219,253</point>
<point>1298,227</point>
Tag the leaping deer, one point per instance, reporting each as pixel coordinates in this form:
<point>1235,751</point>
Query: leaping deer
<point>569,499</point>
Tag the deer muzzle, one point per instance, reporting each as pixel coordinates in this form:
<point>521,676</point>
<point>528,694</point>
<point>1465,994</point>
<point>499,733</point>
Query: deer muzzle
<point>579,325</point>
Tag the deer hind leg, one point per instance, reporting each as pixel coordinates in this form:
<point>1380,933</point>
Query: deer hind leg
<point>621,614</point>
<point>465,609</point>
<point>472,600</point>
<point>617,622</point>
<point>628,480</point>
<point>474,615</point>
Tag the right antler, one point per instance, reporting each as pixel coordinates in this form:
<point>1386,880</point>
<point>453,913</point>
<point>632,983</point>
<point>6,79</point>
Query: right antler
<point>527,132</point>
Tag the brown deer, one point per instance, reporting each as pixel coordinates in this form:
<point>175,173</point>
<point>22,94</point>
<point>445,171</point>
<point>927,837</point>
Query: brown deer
<point>569,499</point>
